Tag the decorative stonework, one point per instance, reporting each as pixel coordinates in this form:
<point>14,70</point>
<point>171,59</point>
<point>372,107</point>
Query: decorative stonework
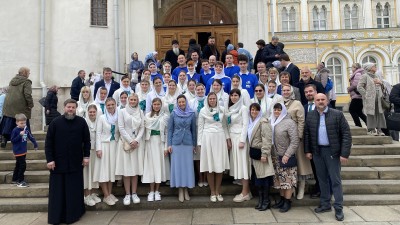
<point>302,55</point>
<point>392,33</point>
<point>349,35</point>
<point>334,35</point>
<point>320,36</point>
<point>287,1</point>
<point>384,47</point>
<point>288,37</point>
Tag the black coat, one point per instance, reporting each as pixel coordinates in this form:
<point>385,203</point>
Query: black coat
<point>207,53</point>
<point>395,97</point>
<point>76,87</point>
<point>172,58</point>
<point>301,85</point>
<point>67,142</point>
<point>50,105</point>
<point>269,53</point>
<point>114,86</point>
<point>294,74</point>
<point>338,131</point>
<point>258,58</point>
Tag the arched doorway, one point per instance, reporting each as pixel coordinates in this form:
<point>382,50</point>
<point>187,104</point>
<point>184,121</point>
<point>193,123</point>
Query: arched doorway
<point>196,19</point>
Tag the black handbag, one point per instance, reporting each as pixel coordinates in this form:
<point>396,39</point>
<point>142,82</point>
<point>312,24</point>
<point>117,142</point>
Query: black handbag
<point>392,121</point>
<point>255,153</point>
<point>292,162</point>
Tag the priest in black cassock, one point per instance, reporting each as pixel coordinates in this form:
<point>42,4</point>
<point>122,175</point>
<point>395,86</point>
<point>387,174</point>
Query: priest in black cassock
<point>67,151</point>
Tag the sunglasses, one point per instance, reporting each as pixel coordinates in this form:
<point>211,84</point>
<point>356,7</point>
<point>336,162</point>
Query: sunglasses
<point>258,90</point>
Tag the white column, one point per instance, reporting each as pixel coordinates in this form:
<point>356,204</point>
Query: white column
<point>367,13</point>
<point>304,15</point>
<point>335,15</point>
<point>275,15</point>
<point>398,13</point>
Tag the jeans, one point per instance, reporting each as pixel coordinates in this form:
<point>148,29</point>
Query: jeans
<point>20,167</point>
<point>328,171</point>
<point>355,109</point>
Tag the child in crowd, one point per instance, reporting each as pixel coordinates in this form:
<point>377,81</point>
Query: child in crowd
<point>19,137</point>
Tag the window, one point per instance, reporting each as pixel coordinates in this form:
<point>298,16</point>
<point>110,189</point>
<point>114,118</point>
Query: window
<point>351,17</point>
<point>319,18</point>
<point>288,19</point>
<point>369,58</point>
<point>334,64</point>
<point>98,12</point>
<point>382,15</point>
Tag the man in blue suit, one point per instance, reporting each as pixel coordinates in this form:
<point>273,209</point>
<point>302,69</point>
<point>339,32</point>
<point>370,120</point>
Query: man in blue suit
<point>107,82</point>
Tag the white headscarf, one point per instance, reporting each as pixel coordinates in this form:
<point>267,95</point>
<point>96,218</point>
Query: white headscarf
<point>252,123</point>
<point>220,75</point>
<point>98,100</point>
<point>92,124</point>
<point>111,118</point>
<point>265,104</point>
<point>275,121</point>
<point>82,105</point>
<point>209,112</point>
<point>240,83</point>
<point>135,112</point>
<point>235,107</point>
<point>157,122</point>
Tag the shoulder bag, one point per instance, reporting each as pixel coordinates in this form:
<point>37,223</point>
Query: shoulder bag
<point>292,162</point>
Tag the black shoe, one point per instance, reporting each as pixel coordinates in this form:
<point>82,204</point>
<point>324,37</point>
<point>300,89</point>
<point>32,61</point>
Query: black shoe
<point>286,206</point>
<point>279,204</point>
<point>266,203</point>
<point>321,209</point>
<point>315,195</point>
<point>339,214</point>
<point>260,199</point>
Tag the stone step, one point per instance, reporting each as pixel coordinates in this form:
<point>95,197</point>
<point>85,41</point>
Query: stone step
<point>368,187</point>
<point>385,149</point>
<point>371,140</point>
<point>373,161</point>
<point>390,173</point>
<point>357,131</point>
<point>8,165</point>
<point>30,145</point>
<point>40,204</point>
<point>39,135</point>
<point>8,154</point>
<point>39,176</point>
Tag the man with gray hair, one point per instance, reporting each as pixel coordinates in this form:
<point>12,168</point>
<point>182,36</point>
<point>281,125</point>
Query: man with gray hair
<point>273,51</point>
<point>172,54</point>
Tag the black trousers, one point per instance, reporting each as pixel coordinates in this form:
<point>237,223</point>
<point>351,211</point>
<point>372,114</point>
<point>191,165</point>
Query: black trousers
<point>355,109</point>
<point>20,167</point>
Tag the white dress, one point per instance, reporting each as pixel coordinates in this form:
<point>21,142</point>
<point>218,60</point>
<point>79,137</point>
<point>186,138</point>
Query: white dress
<point>88,171</point>
<point>105,166</point>
<point>130,163</point>
<point>212,137</point>
<point>156,166</point>
<point>239,158</point>
<point>194,103</point>
<point>117,94</point>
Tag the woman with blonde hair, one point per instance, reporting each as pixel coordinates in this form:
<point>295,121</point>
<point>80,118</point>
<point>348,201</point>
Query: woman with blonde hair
<point>85,99</point>
<point>273,74</point>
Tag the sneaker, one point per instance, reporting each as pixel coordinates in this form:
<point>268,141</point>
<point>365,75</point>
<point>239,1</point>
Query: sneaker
<point>127,200</point>
<point>380,133</point>
<point>95,198</point>
<point>220,198</point>
<point>205,184</point>
<point>241,198</point>
<point>22,184</point>
<point>372,132</point>
<point>89,201</point>
<point>115,199</point>
<point>150,197</point>
<point>201,184</point>
<point>157,196</point>
<point>213,198</point>
<point>135,199</point>
<point>108,201</point>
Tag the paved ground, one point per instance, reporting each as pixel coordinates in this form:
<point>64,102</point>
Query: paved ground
<point>354,215</point>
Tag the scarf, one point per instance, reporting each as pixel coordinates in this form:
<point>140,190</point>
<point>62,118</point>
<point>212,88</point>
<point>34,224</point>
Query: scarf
<point>220,75</point>
<point>252,124</point>
<point>189,95</point>
<point>265,104</point>
<point>233,109</point>
<point>275,121</point>
<point>111,118</point>
<point>170,100</point>
<point>183,88</point>
<point>98,100</point>
<point>212,113</point>
<point>135,115</point>
<point>91,125</point>
<point>240,84</point>
<point>157,123</point>
<point>183,113</point>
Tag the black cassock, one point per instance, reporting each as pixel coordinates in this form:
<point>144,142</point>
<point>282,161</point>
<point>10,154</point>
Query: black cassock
<point>67,142</point>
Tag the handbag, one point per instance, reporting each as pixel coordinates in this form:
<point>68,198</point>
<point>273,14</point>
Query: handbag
<point>392,120</point>
<point>292,162</point>
<point>127,146</point>
<point>255,153</point>
<point>385,102</point>
<point>42,101</point>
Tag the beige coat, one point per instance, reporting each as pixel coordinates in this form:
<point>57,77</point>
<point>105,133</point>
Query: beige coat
<point>367,89</point>
<point>261,138</point>
<point>296,111</point>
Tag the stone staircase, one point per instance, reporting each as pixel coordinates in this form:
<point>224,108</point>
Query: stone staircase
<point>372,177</point>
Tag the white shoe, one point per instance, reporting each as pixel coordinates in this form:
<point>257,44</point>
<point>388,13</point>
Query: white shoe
<point>135,199</point>
<point>95,198</point>
<point>108,201</point>
<point>205,184</point>
<point>220,198</point>
<point>237,182</point>
<point>89,201</point>
<point>201,184</point>
<point>115,199</point>
<point>157,196</point>
<point>241,198</point>
<point>300,191</point>
<point>127,200</point>
<point>150,197</point>
<point>213,198</point>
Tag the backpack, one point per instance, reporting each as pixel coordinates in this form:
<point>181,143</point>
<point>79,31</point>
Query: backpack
<point>329,85</point>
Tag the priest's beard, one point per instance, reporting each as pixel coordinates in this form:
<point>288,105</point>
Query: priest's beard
<point>69,116</point>
<point>176,51</point>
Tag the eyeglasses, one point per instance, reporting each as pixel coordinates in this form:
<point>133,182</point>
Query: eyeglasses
<point>258,90</point>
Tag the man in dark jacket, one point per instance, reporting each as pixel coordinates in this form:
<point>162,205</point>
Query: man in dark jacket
<point>77,85</point>
<point>211,49</point>
<point>395,97</point>
<point>327,140</point>
<point>306,79</point>
<point>259,55</point>
<point>290,68</point>
<point>272,52</point>
<point>172,54</point>
<point>107,82</point>
<point>67,151</point>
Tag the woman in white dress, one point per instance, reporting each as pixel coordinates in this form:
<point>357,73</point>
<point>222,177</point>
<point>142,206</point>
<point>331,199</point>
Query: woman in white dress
<point>222,97</point>
<point>238,120</point>
<point>107,135</point>
<point>131,129</point>
<point>85,99</point>
<point>169,100</point>
<point>123,100</point>
<point>276,98</point>
<point>142,94</point>
<point>191,93</point>
<point>100,101</point>
<point>197,104</point>
<point>125,87</point>
<point>154,171</point>
<point>90,197</point>
<point>213,141</point>
<point>166,79</point>
<point>146,75</point>
<point>182,82</point>
<point>237,83</point>
<point>156,92</point>
<point>262,99</point>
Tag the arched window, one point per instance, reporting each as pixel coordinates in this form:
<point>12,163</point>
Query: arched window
<point>369,58</point>
<point>288,19</point>
<point>383,15</point>
<point>319,18</point>
<point>335,65</point>
<point>351,17</point>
